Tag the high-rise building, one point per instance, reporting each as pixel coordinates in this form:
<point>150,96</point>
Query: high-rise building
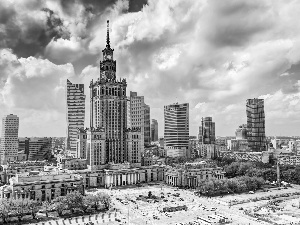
<point>256,124</point>
<point>138,109</point>
<point>207,131</point>
<point>154,130</point>
<point>147,132</point>
<point>9,141</point>
<point>75,114</point>
<point>241,132</point>
<point>109,108</point>
<point>176,133</point>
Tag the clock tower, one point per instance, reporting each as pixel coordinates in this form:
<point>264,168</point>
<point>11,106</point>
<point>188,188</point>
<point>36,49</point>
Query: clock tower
<point>108,64</point>
<point>108,104</point>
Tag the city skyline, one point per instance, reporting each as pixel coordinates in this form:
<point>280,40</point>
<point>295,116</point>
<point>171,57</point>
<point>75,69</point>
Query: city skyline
<point>232,63</point>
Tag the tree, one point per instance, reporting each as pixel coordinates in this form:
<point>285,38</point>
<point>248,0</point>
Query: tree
<point>93,200</point>
<point>19,208</point>
<point>47,206</point>
<point>5,208</point>
<point>60,204</point>
<point>105,200</point>
<point>33,207</point>
<point>74,200</point>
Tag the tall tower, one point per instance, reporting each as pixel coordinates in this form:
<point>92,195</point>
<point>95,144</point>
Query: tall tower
<point>207,131</point>
<point>108,104</point>
<point>176,125</point>
<point>154,130</point>
<point>256,124</point>
<point>9,140</point>
<point>75,114</point>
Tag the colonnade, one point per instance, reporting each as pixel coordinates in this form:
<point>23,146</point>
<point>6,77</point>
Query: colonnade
<point>172,180</point>
<point>121,179</point>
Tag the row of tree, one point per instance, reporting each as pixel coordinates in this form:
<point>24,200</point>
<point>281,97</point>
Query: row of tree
<point>215,187</point>
<point>290,174</point>
<point>72,202</point>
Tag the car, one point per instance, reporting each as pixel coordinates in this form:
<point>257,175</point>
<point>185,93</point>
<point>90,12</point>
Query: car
<point>251,192</point>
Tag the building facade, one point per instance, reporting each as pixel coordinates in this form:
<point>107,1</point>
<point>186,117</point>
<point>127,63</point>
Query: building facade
<point>241,132</point>
<point>41,186</point>
<point>192,174</point>
<point>137,115</point>
<point>75,114</point>
<point>176,130</point>
<point>9,139</point>
<point>256,124</point>
<point>134,145</point>
<point>147,130</point>
<point>238,145</point>
<point>207,131</point>
<point>154,130</point>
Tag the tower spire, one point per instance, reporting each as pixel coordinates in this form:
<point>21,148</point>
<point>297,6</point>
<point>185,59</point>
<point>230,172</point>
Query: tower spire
<point>107,37</point>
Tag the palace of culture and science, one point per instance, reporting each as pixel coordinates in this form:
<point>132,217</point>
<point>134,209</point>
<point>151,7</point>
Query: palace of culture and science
<point>108,140</point>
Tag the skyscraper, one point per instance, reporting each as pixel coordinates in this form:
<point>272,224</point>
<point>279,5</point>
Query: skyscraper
<point>207,131</point>
<point>9,140</point>
<point>176,132</point>
<point>256,124</point>
<point>140,116</point>
<point>75,114</point>
<point>147,136</point>
<point>154,130</point>
<point>108,104</point>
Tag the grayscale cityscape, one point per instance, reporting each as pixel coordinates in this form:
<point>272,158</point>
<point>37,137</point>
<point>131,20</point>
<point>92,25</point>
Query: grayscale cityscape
<point>140,112</point>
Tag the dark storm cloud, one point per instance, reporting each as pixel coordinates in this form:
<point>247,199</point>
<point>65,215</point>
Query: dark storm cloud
<point>234,23</point>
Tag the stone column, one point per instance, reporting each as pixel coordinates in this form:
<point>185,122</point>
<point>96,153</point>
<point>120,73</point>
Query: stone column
<point>119,179</point>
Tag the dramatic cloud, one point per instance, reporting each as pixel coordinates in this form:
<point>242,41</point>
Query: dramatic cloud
<point>212,54</point>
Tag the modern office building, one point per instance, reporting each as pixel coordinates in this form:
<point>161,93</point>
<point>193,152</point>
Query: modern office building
<point>75,114</point>
<point>154,130</point>
<point>9,140</point>
<point>241,132</point>
<point>109,109</point>
<point>207,131</point>
<point>37,148</point>
<point>256,124</point>
<point>176,130</point>
<point>139,114</point>
<point>147,130</point>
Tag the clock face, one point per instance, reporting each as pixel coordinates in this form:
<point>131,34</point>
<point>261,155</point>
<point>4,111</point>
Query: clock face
<point>108,57</point>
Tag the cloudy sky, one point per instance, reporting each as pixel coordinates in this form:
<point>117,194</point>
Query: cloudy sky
<point>212,54</point>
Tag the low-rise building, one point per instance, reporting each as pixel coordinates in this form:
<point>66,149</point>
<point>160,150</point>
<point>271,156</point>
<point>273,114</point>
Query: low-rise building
<point>12,168</point>
<point>174,152</point>
<point>238,145</point>
<point>192,174</point>
<point>41,186</point>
